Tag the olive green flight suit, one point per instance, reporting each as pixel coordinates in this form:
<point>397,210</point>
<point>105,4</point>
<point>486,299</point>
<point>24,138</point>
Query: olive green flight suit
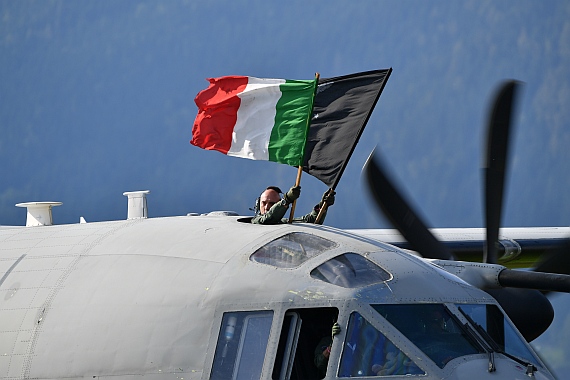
<point>276,214</point>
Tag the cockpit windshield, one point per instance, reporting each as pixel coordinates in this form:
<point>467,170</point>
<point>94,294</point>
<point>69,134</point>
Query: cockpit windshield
<point>433,329</point>
<point>291,250</point>
<point>440,333</point>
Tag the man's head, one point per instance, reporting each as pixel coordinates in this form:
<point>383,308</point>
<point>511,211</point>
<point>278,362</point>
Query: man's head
<point>268,198</point>
<point>435,322</point>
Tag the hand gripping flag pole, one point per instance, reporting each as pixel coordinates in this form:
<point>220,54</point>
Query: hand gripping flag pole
<point>324,207</point>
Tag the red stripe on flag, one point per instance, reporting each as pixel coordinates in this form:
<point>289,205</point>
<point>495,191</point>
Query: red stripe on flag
<point>217,113</point>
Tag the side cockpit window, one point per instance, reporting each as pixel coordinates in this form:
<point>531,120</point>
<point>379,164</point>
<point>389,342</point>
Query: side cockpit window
<point>367,352</point>
<point>291,250</point>
<point>242,342</point>
<point>350,270</point>
<point>498,329</point>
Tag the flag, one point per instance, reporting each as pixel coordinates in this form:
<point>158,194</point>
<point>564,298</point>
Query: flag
<point>259,119</point>
<point>341,110</point>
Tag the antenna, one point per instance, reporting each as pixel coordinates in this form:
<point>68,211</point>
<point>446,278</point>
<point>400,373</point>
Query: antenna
<point>39,213</point>
<point>137,208</point>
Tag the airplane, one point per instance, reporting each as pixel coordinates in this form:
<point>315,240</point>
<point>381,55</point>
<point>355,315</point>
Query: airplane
<point>213,296</point>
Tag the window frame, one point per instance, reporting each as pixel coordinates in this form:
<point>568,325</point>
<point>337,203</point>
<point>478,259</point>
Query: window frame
<point>271,259</point>
<point>244,318</point>
<point>387,343</point>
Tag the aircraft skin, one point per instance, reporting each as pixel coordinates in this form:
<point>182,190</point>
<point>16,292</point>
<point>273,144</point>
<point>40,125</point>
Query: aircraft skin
<point>155,298</point>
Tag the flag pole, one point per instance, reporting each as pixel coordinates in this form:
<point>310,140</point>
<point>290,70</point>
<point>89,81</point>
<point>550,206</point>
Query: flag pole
<point>323,209</point>
<point>300,171</point>
<point>297,183</point>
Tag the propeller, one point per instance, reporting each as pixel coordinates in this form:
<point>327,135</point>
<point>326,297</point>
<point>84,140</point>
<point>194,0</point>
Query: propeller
<point>528,308</point>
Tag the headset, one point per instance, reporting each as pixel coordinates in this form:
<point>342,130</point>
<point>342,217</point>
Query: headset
<point>255,208</point>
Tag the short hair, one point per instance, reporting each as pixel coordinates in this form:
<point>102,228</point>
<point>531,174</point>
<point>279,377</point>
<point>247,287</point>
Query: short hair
<point>274,188</point>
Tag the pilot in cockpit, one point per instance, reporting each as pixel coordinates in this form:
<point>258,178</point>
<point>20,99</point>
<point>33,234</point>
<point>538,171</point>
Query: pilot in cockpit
<point>323,350</point>
<point>270,208</point>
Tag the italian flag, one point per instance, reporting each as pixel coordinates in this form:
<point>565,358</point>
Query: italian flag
<point>259,119</point>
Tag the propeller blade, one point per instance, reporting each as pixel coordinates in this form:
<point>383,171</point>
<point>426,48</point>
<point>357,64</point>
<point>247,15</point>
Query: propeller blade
<point>495,166</point>
<point>528,308</point>
<point>400,213</point>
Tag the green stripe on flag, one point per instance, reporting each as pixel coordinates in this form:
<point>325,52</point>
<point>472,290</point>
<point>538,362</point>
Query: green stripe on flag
<point>293,113</point>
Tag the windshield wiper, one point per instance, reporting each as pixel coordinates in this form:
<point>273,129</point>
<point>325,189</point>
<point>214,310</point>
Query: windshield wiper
<point>483,344</point>
<point>494,346</point>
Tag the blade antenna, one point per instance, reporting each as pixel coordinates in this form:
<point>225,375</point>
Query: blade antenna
<point>498,131</point>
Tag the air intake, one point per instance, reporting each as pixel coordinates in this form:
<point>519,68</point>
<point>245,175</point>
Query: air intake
<point>39,213</point>
<point>137,204</point>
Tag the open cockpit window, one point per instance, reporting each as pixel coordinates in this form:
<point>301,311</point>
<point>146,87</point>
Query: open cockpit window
<point>433,329</point>
<point>241,346</point>
<point>305,336</point>
<point>367,352</point>
<point>350,270</point>
<point>291,250</point>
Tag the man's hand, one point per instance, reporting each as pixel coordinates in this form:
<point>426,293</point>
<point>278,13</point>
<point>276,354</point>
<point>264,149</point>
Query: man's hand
<point>292,194</point>
<point>335,329</point>
<point>328,197</point>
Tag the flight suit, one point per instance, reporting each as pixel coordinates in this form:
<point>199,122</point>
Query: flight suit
<point>321,362</point>
<point>276,214</point>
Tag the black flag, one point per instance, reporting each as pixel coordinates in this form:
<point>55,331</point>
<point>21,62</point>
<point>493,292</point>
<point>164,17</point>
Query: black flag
<point>341,110</point>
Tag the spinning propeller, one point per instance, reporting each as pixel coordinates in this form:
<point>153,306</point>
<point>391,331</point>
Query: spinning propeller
<point>519,296</point>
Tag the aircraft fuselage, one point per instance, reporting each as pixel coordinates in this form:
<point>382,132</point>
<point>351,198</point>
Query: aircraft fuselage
<point>210,297</point>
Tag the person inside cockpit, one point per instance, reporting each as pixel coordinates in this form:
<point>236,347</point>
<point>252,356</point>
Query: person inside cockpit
<point>435,323</point>
<point>395,363</point>
<point>323,350</point>
<point>270,208</point>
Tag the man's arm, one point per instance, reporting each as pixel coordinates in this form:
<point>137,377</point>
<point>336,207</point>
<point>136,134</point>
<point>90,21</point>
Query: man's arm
<point>328,199</point>
<point>310,217</point>
<point>274,215</point>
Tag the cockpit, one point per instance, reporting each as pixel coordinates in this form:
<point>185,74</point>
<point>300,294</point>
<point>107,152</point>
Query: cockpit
<point>379,337</point>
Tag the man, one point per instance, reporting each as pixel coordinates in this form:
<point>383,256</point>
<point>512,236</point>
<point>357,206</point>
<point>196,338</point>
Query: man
<point>323,350</point>
<point>271,208</point>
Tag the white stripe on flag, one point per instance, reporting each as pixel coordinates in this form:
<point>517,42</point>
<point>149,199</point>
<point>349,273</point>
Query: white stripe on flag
<point>255,119</point>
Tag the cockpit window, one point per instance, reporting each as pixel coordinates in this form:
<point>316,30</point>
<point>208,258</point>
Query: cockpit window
<point>350,270</point>
<point>367,352</point>
<point>499,329</point>
<point>291,250</point>
<point>241,346</point>
<point>433,329</point>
